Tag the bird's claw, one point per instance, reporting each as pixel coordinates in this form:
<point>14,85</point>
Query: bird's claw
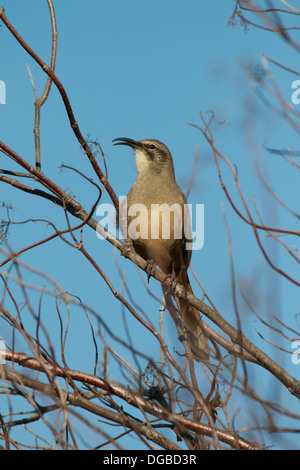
<point>128,248</point>
<point>172,281</point>
<point>150,269</point>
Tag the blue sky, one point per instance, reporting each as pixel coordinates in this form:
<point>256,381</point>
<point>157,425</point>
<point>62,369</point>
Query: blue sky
<point>145,70</point>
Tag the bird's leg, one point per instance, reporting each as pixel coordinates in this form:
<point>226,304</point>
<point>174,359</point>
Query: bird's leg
<point>172,278</point>
<point>150,269</point>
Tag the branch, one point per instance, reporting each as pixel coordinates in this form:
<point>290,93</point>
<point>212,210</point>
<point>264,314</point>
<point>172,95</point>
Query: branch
<point>132,398</point>
<point>208,136</point>
<point>73,123</point>
<point>40,101</point>
<point>34,191</point>
<point>83,400</point>
<point>236,336</point>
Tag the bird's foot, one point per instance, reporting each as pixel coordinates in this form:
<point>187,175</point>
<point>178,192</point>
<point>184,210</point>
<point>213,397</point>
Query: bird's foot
<point>172,281</point>
<point>150,268</point>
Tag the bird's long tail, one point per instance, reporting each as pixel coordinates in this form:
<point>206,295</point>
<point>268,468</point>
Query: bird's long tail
<point>192,322</point>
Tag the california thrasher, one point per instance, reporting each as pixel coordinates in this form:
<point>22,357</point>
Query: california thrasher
<point>159,226</point>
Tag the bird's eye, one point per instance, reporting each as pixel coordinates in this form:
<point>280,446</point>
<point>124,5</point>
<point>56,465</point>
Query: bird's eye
<point>152,147</point>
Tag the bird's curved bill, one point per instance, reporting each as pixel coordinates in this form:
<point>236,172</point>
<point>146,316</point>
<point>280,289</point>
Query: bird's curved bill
<point>126,141</point>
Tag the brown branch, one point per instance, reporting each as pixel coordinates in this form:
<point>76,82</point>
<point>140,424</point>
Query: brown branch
<point>75,208</point>
<point>40,101</point>
<point>270,190</point>
<point>34,191</point>
<point>83,400</point>
<point>208,136</point>
<point>73,123</point>
<point>249,222</point>
<point>133,399</point>
<point>275,26</point>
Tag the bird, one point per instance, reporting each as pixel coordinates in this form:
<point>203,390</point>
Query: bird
<point>158,225</point>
